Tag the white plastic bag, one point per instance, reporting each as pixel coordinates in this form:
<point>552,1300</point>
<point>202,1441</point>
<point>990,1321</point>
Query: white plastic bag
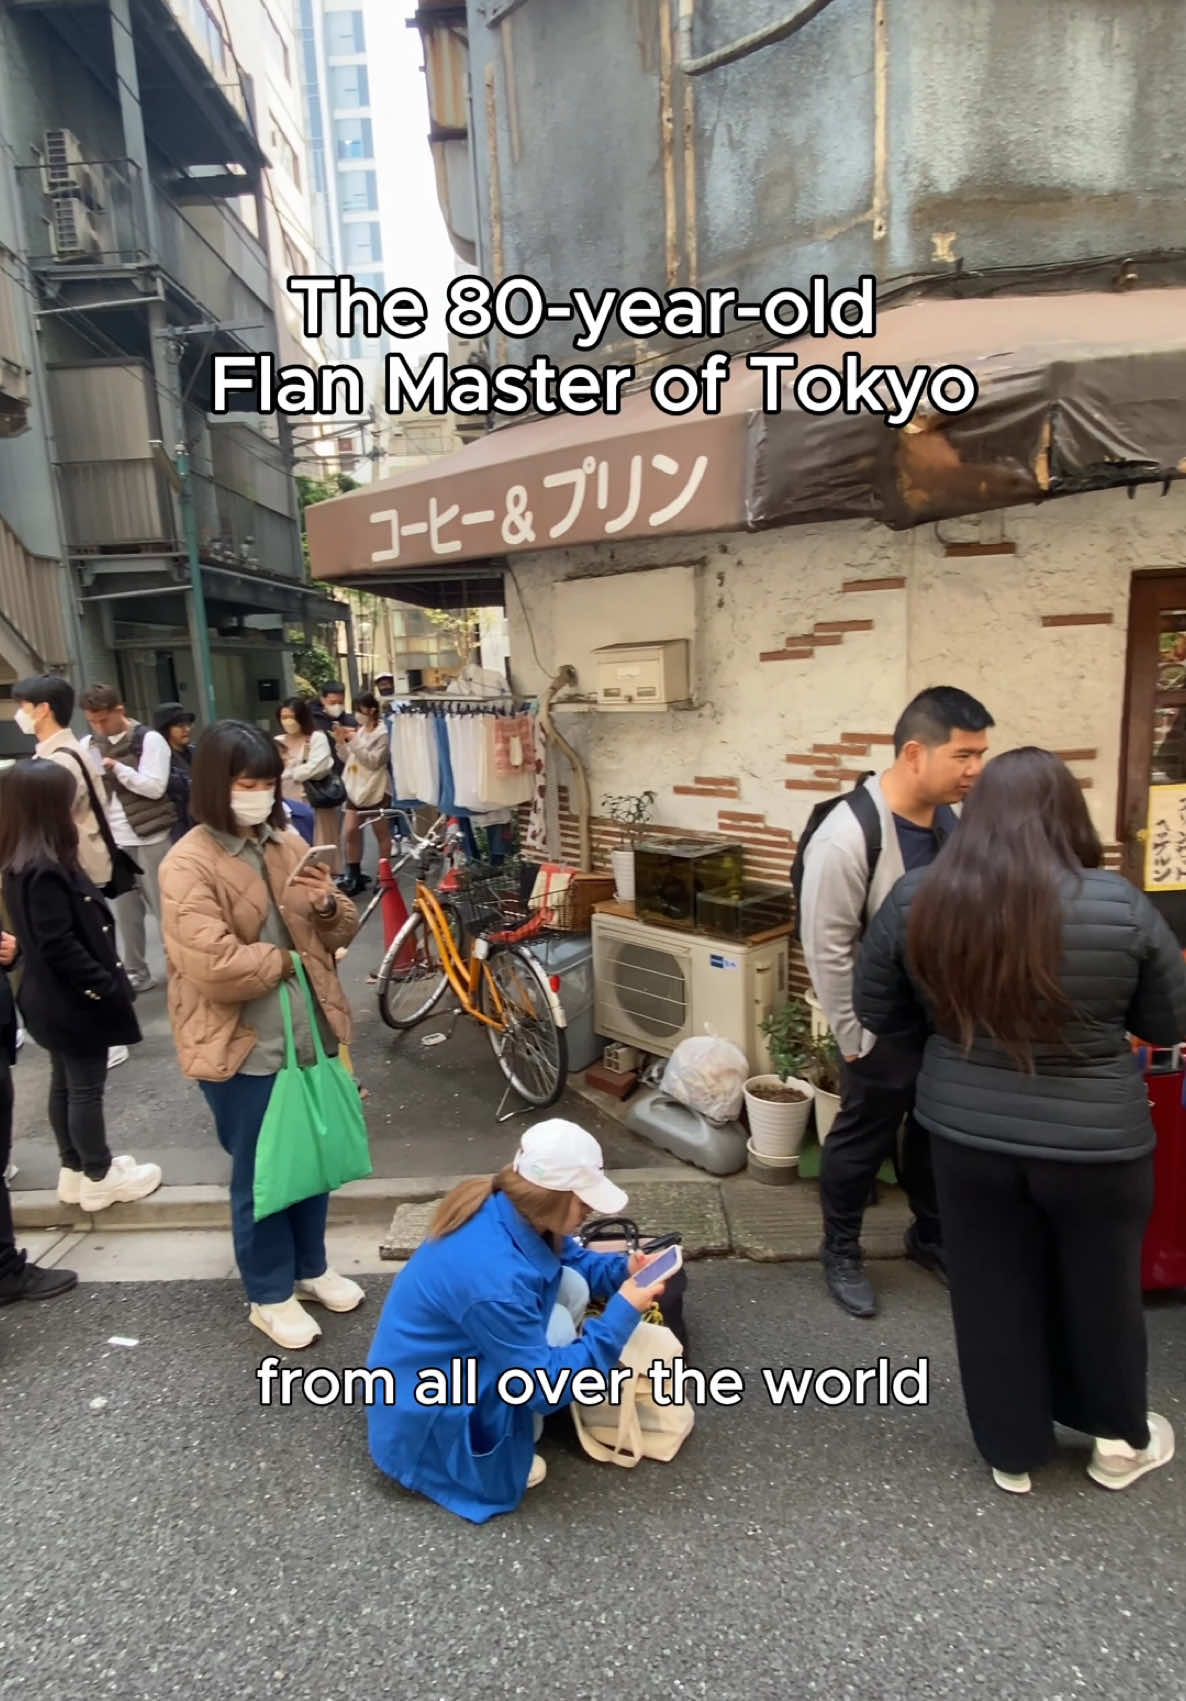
<point>708,1075</point>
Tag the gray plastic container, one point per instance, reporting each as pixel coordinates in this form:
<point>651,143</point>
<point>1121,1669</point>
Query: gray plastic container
<point>715,1147</point>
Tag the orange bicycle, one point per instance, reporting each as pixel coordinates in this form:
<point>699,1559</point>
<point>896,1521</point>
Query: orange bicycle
<point>496,982</point>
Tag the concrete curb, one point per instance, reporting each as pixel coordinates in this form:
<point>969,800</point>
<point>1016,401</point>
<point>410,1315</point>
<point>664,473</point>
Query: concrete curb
<point>718,1216</point>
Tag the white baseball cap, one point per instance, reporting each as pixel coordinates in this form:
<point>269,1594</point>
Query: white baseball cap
<point>562,1157</point>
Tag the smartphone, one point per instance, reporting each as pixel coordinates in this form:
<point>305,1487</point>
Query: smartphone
<point>326,855</point>
<point>660,1268</point>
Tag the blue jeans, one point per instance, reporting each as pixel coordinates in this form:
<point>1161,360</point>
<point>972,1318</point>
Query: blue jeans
<point>568,1313</point>
<point>288,1247</point>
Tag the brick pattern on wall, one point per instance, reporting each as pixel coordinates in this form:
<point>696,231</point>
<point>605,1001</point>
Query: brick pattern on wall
<point>767,850</point>
<point>802,646</point>
<point>837,767</point>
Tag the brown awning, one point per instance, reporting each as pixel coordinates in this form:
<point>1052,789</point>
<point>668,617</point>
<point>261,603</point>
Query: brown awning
<point>1076,392</point>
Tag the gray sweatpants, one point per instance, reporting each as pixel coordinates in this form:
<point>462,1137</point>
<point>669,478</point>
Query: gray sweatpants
<point>133,907</point>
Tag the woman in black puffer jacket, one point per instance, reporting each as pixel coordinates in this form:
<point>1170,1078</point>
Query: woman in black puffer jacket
<point>1031,967</point>
<point>75,996</point>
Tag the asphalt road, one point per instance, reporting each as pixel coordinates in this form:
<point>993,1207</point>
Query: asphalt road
<point>431,1110</point>
<point>181,1541</point>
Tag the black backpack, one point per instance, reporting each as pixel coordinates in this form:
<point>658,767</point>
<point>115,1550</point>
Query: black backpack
<point>861,802</point>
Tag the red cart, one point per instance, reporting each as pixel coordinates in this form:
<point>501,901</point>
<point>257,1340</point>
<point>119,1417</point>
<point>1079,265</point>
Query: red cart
<point>1163,1257</point>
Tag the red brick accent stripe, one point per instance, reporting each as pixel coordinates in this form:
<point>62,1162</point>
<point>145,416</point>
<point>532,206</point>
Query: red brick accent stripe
<point>851,585</point>
<point>832,749</point>
<point>1004,547</point>
<point>868,737</point>
<point>1077,619</point>
<point>786,655</point>
<point>1077,755</point>
<point>844,626</point>
<point>718,780</point>
<point>811,785</point>
<point>703,791</point>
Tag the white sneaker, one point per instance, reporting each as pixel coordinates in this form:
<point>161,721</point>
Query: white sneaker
<point>336,1293</point>
<point>539,1470</point>
<point>116,1054</point>
<point>288,1324</point>
<point>125,1180</point>
<point>10,1172</point>
<point>1012,1484</point>
<point>1114,1464</point>
<point>69,1187</point>
<point>20,1038</point>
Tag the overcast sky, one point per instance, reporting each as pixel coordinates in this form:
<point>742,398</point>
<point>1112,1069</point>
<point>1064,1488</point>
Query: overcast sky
<point>416,248</point>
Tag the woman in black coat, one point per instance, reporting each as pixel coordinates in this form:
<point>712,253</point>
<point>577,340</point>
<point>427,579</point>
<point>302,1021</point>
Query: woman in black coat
<point>1032,967</point>
<point>75,997</point>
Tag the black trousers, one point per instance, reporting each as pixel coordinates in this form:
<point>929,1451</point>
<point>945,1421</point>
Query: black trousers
<point>76,1088</point>
<point>11,1261</point>
<point>877,1094</point>
<point>1044,1261</point>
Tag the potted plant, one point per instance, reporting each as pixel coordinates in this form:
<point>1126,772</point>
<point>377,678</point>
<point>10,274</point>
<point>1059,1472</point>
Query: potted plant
<point>630,815</point>
<point>778,1105</point>
<point>824,1074</point>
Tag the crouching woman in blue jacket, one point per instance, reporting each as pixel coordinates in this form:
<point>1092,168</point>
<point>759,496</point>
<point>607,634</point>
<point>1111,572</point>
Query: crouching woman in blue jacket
<point>500,1284</point>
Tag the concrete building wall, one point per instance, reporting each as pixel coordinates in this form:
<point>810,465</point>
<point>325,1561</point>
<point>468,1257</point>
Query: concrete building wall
<point>893,136</point>
<point>881,615</point>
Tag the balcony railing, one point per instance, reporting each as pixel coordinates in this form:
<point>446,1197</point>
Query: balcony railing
<point>115,505</point>
<point>201,25</point>
<point>99,217</point>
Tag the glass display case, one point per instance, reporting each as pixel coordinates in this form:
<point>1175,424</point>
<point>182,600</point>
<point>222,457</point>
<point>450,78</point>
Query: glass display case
<point>669,879</point>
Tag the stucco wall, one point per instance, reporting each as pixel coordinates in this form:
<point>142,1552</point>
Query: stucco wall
<point>976,623</point>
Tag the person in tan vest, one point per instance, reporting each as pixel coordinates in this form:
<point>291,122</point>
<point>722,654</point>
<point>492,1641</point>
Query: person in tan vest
<point>133,766</point>
<point>44,708</point>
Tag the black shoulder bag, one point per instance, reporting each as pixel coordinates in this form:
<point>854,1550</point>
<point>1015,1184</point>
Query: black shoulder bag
<point>621,1234</point>
<point>125,870</point>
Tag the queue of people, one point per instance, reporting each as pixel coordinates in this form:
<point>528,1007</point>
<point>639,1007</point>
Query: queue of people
<point>982,974</point>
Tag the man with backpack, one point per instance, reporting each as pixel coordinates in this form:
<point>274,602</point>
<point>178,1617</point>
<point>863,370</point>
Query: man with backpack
<point>852,853</point>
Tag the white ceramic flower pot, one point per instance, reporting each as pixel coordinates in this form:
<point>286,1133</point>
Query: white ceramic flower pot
<point>777,1130</point>
<point>622,863</point>
<point>826,1106</point>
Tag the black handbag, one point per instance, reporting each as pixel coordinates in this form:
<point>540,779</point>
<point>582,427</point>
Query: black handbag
<point>125,870</point>
<point>325,793</point>
<point>668,1309</point>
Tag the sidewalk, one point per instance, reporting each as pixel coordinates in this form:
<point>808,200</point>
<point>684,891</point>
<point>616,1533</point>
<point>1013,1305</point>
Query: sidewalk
<point>182,1231</point>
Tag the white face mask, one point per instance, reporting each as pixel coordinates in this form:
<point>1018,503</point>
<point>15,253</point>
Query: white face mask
<point>252,808</point>
<point>333,709</point>
<point>25,721</point>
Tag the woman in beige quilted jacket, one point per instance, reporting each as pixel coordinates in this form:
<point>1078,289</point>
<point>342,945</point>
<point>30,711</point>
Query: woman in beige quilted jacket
<point>233,908</point>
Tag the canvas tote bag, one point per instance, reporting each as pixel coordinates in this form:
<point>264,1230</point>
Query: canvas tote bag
<point>636,1428</point>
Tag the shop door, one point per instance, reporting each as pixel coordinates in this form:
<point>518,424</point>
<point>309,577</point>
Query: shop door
<point>1154,742</point>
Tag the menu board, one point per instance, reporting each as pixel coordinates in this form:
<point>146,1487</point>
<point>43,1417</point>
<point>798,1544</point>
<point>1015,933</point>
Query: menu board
<point>1165,847</point>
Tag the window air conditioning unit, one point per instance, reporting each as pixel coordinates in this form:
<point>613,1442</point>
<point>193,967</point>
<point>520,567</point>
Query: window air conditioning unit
<point>75,229</point>
<point>656,987</point>
<point>65,172</point>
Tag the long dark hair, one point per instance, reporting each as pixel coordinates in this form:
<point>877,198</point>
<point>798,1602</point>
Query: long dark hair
<point>37,816</point>
<point>230,751</point>
<point>985,935</point>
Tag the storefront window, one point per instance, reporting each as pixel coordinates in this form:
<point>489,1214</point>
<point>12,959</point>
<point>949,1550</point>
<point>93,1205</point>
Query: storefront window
<point>1169,711</point>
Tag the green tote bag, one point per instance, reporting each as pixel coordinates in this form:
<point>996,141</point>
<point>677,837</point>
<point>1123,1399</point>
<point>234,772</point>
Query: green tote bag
<point>313,1138</point>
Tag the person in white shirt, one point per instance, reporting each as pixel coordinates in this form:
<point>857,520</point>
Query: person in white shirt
<point>133,763</point>
<point>44,708</point>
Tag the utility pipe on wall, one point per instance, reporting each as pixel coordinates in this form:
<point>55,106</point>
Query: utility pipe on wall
<point>565,678</point>
<point>744,45</point>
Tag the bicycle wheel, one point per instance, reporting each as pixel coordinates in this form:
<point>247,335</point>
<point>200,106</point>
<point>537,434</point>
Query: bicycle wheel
<point>530,1046</point>
<point>412,978</point>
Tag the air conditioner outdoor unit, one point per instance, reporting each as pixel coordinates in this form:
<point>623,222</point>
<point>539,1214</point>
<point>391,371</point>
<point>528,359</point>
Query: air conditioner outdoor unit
<point>65,172</point>
<point>76,230</point>
<point>656,987</point>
